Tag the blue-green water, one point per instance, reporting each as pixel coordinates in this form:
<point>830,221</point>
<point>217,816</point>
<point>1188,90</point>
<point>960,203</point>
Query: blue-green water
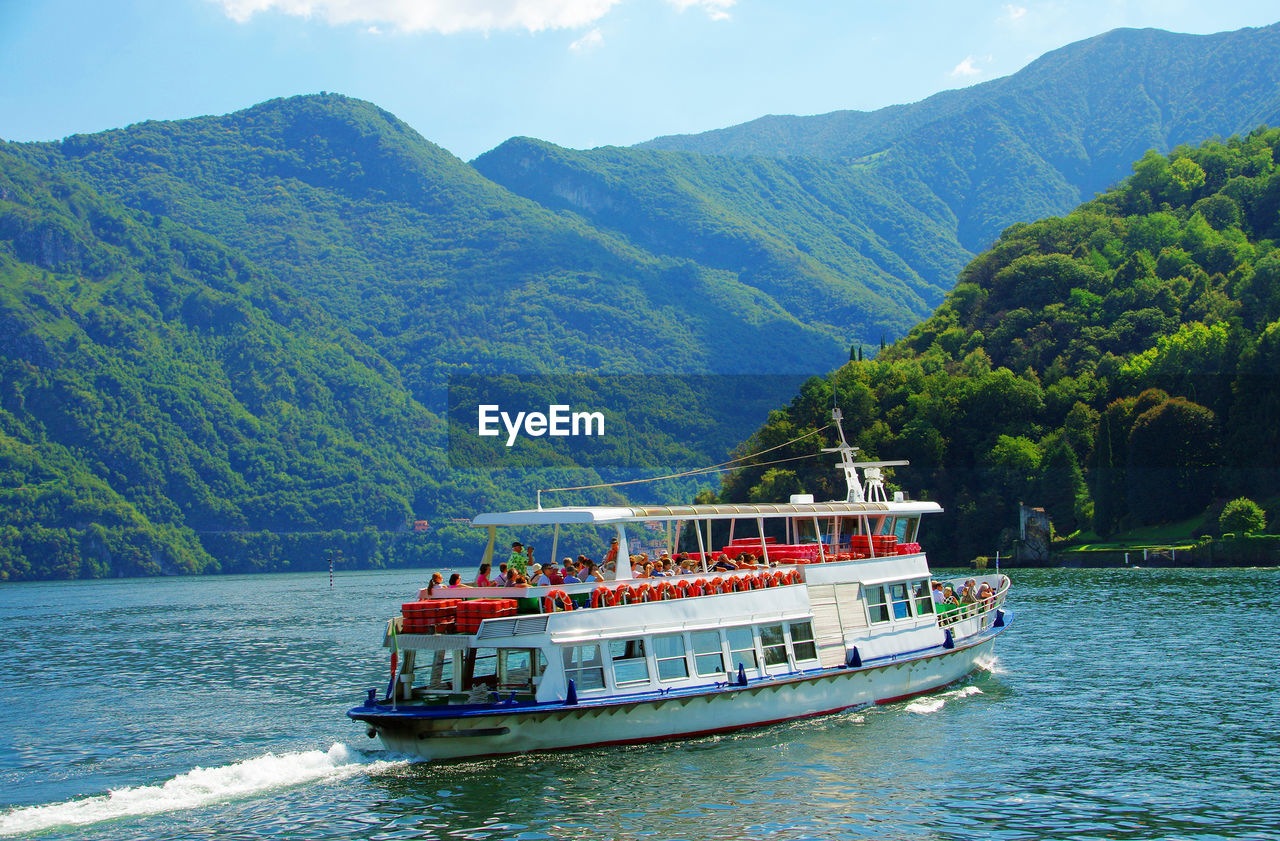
<point>1122,704</point>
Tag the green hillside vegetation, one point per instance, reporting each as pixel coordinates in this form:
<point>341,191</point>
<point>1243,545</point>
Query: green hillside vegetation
<point>1040,141</point>
<point>258,395</point>
<point>435,267</point>
<point>158,392</point>
<point>1116,366</point>
<point>833,246</point>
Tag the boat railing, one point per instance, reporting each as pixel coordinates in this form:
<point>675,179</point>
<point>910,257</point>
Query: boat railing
<point>949,615</point>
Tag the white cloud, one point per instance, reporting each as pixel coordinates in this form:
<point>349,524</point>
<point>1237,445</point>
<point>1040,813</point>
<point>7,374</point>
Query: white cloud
<point>444,16</point>
<point>1012,13</point>
<point>715,9</point>
<point>966,68</point>
<point>591,41</point>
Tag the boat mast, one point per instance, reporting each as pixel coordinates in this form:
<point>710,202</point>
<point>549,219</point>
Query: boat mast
<point>874,490</point>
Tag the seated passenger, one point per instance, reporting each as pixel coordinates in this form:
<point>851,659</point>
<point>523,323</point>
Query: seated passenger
<point>569,575</point>
<point>436,580</point>
<point>455,582</point>
<point>949,597</point>
<point>723,564</point>
<point>482,577</point>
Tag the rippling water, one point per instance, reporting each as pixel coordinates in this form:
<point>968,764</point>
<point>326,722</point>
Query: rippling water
<point>1121,704</point>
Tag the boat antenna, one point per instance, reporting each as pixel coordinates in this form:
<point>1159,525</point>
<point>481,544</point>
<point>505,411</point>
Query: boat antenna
<point>875,478</point>
<point>847,463</point>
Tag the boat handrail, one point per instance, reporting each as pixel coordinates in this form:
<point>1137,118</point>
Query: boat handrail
<point>981,608</point>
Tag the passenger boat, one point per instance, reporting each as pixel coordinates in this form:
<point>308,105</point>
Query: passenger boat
<point>836,615</point>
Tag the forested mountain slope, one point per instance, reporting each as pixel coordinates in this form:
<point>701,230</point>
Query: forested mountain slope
<point>157,390</point>
<point>433,265</point>
<point>1042,140</point>
<point>1119,366</point>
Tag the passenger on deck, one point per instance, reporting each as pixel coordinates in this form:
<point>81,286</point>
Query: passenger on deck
<point>611,556</point>
<point>967,595</point>
<point>553,574</point>
<point>482,577</point>
<point>570,574</point>
<point>537,578</point>
<point>455,581</point>
<point>949,597</point>
<point>592,573</point>
<point>503,576</point>
<point>986,595</point>
<point>517,562</point>
<point>938,595</point>
<point>437,580</point>
<point>723,564</point>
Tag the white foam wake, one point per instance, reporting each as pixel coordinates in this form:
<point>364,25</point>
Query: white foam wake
<point>991,665</point>
<point>197,787</point>
<point>933,703</point>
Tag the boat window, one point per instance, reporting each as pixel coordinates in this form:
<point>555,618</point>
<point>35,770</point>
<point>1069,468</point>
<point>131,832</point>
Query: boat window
<point>519,668</point>
<point>802,644</point>
<point>742,648</point>
<point>877,604</point>
<point>708,656</point>
<point>668,651</point>
<point>481,669</point>
<point>774,644</point>
<point>924,597</point>
<point>584,666</point>
<point>629,663</point>
<point>434,670</point>
<point>901,600</point>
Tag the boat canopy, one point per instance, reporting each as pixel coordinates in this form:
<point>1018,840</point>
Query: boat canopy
<point>592,515</point>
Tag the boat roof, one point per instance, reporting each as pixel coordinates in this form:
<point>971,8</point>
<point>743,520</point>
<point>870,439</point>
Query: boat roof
<point>592,515</point>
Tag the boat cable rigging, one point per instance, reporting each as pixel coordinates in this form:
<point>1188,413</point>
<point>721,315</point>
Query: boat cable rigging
<point>715,468</point>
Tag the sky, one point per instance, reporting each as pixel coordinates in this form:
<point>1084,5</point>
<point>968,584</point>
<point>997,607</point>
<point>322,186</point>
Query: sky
<point>468,74</point>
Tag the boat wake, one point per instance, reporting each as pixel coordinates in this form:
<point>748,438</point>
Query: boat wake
<point>933,703</point>
<point>991,665</point>
<point>198,787</point>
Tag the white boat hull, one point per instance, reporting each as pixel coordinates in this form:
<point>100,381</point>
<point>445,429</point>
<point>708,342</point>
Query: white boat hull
<point>676,715</point>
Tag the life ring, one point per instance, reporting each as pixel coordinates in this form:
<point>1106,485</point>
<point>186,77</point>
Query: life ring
<point>697,587</point>
<point>556,601</point>
<point>740,583</point>
<point>666,590</point>
<point>603,597</point>
<point>624,594</point>
<point>778,578</point>
<point>645,593</point>
<point>793,576</point>
<point>681,589</point>
<point>715,586</point>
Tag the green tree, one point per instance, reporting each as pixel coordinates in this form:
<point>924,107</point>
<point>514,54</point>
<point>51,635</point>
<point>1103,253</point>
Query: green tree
<point>1242,516</point>
<point>1172,458</point>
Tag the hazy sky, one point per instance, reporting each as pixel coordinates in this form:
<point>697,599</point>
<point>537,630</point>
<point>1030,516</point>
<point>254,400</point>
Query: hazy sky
<point>468,74</point>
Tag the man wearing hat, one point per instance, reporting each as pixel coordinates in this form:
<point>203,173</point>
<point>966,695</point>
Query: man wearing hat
<point>516,562</point>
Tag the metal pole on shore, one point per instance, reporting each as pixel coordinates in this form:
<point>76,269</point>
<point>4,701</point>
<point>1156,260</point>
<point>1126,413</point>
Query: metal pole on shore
<point>330,570</point>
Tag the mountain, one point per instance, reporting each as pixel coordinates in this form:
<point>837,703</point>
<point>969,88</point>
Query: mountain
<point>231,343</point>
<point>1116,366</point>
<point>435,266</point>
<point>251,341</point>
<point>1042,140</point>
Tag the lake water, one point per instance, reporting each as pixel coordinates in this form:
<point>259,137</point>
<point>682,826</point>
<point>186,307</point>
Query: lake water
<point>1122,704</point>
